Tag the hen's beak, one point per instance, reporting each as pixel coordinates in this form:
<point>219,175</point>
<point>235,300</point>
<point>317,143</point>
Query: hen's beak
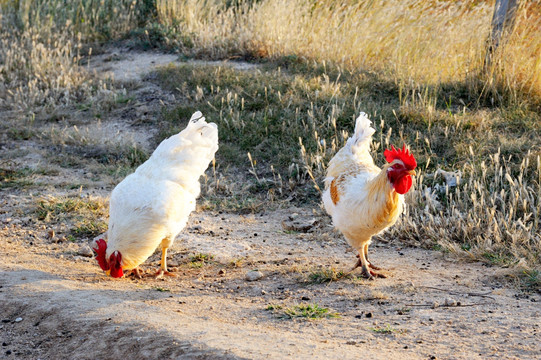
<point>108,272</point>
<point>412,172</point>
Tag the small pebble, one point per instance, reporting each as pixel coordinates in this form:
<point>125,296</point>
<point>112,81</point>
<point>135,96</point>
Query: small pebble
<point>19,319</point>
<point>85,250</point>
<point>450,302</point>
<point>369,315</point>
<point>254,275</point>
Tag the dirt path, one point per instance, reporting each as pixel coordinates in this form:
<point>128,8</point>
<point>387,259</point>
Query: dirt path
<point>60,305</point>
<point>57,304</point>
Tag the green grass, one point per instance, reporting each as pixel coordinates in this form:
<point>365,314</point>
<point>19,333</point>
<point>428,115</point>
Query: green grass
<point>85,217</point>
<point>531,280</point>
<point>302,311</point>
<point>325,275</point>
<point>309,311</point>
<point>386,330</point>
<point>272,307</point>
<point>200,259</point>
<point>16,178</point>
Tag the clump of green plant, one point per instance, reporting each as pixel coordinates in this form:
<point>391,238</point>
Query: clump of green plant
<point>86,217</point>
<point>15,178</point>
<point>307,311</point>
<point>325,275</point>
<point>531,280</point>
<point>388,329</point>
<point>200,259</point>
<point>272,307</point>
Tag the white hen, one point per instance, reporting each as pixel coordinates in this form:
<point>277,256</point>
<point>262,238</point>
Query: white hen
<point>150,207</point>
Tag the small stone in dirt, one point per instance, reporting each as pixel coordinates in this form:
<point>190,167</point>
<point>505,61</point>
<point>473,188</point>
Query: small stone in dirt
<point>299,225</point>
<point>351,342</point>
<point>85,250</point>
<point>8,352</point>
<point>19,319</point>
<point>435,304</point>
<point>359,316</point>
<point>221,272</point>
<point>450,302</point>
<point>4,344</point>
<point>305,298</point>
<point>368,315</point>
<point>254,275</point>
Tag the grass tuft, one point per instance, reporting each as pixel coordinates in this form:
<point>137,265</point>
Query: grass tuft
<point>325,276</point>
<point>309,311</point>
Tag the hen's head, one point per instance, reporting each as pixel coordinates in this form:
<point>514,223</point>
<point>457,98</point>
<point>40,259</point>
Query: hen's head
<point>403,165</point>
<point>115,261</point>
<point>113,266</point>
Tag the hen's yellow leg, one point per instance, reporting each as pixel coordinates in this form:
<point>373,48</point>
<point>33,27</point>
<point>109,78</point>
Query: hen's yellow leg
<point>163,265</point>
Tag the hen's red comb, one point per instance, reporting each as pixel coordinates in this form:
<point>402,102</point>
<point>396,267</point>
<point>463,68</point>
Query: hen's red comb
<point>100,254</point>
<point>403,155</point>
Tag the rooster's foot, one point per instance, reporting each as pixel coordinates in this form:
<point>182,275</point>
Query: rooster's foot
<point>371,275</point>
<point>357,264</point>
<point>373,267</point>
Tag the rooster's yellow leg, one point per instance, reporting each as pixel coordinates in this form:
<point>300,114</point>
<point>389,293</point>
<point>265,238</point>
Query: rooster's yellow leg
<point>365,265</point>
<point>163,265</point>
<point>373,267</point>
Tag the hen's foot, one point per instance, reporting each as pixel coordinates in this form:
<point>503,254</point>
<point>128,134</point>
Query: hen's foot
<point>161,272</point>
<point>135,273</point>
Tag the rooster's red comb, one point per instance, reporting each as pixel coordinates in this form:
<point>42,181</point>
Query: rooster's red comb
<point>100,254</point>
<point>403,155</point>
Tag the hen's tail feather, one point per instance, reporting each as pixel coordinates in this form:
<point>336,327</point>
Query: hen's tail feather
<point>196,117</point>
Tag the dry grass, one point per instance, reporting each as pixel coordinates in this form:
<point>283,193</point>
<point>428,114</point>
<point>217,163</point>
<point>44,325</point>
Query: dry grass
<point>41,47</point>
<point>414,42</point>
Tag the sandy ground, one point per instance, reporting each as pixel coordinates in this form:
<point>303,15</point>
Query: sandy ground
<point>58,304</point>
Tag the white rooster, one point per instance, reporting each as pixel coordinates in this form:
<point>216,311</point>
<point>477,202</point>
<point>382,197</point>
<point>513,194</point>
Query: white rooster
<point>363,199</point>
<point>150,207</point>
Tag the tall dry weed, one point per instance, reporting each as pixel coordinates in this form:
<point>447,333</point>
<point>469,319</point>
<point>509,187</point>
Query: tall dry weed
<point>413,41</point>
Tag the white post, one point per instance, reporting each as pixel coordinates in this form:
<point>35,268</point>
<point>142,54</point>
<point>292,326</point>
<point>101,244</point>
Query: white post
<point>503,22</point>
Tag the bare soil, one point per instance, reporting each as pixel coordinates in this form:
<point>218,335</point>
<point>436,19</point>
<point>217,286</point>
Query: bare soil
<point>56,303</point>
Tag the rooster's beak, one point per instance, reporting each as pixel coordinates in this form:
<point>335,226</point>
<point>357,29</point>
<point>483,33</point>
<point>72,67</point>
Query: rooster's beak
<point>412,172</point>
<point>108,272</point>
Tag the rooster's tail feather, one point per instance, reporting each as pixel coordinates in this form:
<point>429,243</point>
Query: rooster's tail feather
<point>356,150</point>
<point>360,141</point>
